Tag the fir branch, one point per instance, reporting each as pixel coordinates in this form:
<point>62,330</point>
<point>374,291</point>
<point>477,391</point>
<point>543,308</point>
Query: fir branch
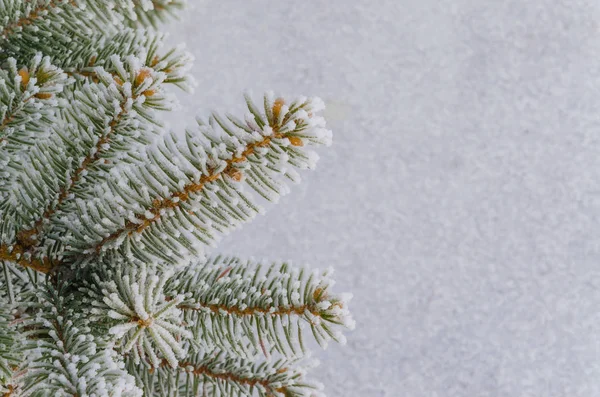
<point>16,253</point>
<point>198,184</point>
<point>85,193</point>
<point>178,198</point>
<point>64,358</point>
<point>84,60</point>
<point>142,321</point>
<point>27,98</point>
<point>213,373</point>
<point>29,239</point>
<point>28,23</point>
<point>138,90</point>
<point>153,12</point>
<point>34,14</point>
<point>10,344</point>
<point>91,158</point>
<point>56,26</point>
<point>230,301</point>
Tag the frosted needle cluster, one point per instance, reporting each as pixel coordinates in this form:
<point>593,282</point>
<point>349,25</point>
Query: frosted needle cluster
<point>110,283</point>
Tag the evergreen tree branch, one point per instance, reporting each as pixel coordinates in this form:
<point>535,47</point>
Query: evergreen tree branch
<point>16,253</point>
<point>27,98</point>
<point>245,308</point>
<point>98,51</point>
<point>178,198</point>
<point>197,184</point>
<point>53,26</point>
<point>213,373</point>
<point>10,343</point>
<point>64,358</point>
<point>24,19</point>
<point>138,90</point>
<point>34,13</point>
<point>154,12</point>
<point>142,322</point>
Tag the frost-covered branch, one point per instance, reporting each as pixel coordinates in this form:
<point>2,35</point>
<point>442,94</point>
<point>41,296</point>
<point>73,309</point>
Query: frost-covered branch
<point>64,358</point>
<point>142,322</point>
<point>102,127</point>
<point>245,307</point>
<point>61,22</point>
<point>27,102</point>
<point>192,191</point>
<point>154,12</point>
<point>10,343</point>
<point>105,220</point>
<point>215,374</point>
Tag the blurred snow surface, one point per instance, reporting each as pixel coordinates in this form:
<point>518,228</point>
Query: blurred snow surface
<point>460,202</point>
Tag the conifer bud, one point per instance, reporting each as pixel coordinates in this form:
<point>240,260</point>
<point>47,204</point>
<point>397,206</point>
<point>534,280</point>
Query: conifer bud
<point>24,73</point>
<point>279,102</point>
<point>142,76</point>
<point>295,141</point>
<point>236,174</point>
<point>43,95</point>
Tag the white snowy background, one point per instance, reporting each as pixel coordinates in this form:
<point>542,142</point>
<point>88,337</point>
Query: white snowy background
<point>460,202</point>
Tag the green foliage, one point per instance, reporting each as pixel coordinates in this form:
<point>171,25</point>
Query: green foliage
<point>10,357</point>
<point>64,357</point>
<point>246,308</point>
<point>193,190</point>
<point>28,100</point>
<point>106,218</point>
<point>144,323</point>
<point>215,374</point>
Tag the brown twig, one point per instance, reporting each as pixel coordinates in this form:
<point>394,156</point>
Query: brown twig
<point>251,311</point>
<point>16,255</point>
<point>204,370</point>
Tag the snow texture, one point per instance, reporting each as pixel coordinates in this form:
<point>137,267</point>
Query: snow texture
<point>460,201</point>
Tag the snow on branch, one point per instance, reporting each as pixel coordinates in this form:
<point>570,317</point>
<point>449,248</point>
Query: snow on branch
<point>27,102</point>
<point>142,321</point>
<point>101,128</point>
<point>213,373</point>
<point>245,308</point>
<point>64,357</point>
<point>22,20</point>
<point>191,192</point>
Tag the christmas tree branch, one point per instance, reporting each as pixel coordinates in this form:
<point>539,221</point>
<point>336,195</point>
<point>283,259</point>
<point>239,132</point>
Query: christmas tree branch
<point>199,183</point>
<point>138,90</point>
<point>264,305</point>
<point>35,14</point>
<point>176,199</point>
<point>10,355</point>
<point>29,239</point>
<point>23,93</point>
<point>208,371</point>
<point>219,375</point>
<point>90,159</point>
<point>64,357</point>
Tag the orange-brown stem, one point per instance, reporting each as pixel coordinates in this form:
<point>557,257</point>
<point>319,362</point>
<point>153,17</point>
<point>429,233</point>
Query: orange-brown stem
<point>16,255</point>
<point>10,391</point>
<point>203,370</point>
<point>25,238</point>
<point>251,311</point>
